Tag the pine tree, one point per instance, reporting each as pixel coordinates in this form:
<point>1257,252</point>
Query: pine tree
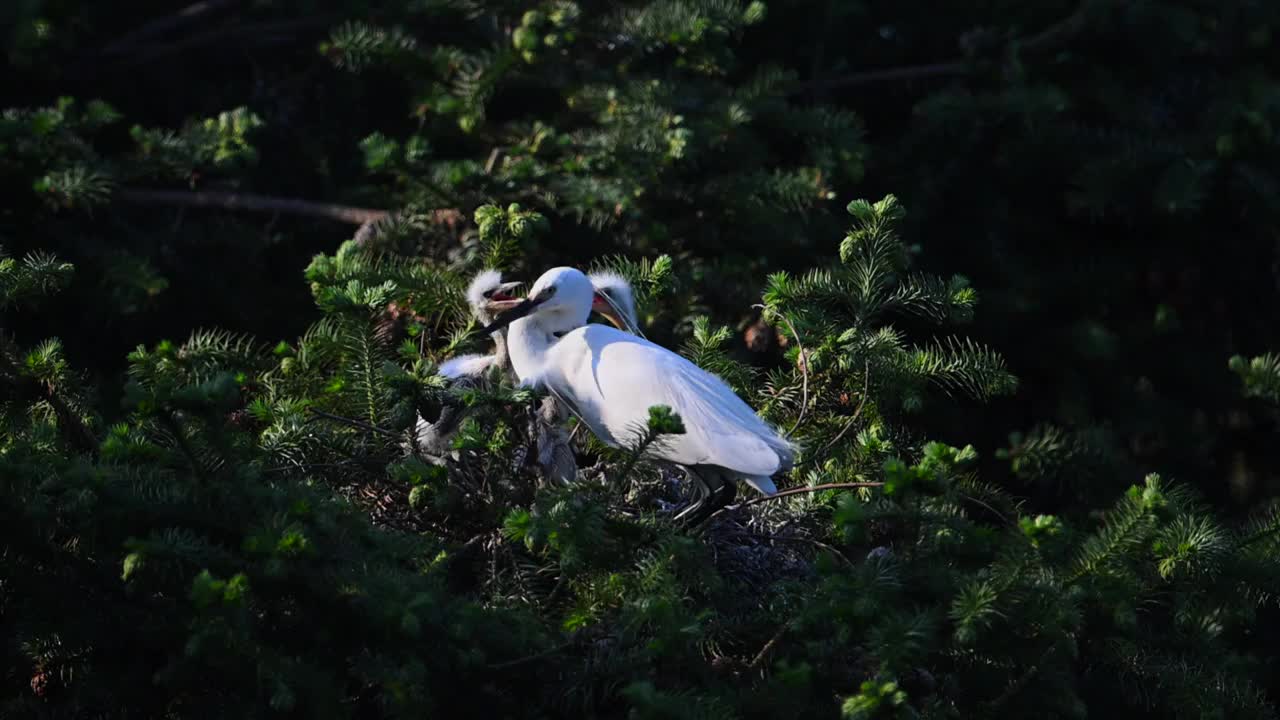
<point>231,525</point>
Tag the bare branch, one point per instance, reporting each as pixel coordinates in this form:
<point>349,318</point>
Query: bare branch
<point>910,72</point>
<point>251,203</point>
<point>264,33</point>
<point>168,23</point>
<point>769,645</point>
<point>354,423</point>
<point>1048,39</point>
<point>793,491</point>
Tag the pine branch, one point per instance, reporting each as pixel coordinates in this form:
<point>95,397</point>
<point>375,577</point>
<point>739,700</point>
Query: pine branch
<point>857,413</point>
<point>184,444</point>
<point>74,431</point>
<point>804,370</point>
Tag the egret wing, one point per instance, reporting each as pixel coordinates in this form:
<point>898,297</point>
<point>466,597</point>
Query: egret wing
<point>615,377</point>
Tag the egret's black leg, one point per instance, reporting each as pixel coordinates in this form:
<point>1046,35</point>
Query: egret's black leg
<point>728,492</point>
<point>724,494</point>
<point>720,492</point>
<point>702,492</point>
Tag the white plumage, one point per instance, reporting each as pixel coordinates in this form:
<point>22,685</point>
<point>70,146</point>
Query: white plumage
<point>610,379</point>
<point>485,294</point>
<point>465,365</point>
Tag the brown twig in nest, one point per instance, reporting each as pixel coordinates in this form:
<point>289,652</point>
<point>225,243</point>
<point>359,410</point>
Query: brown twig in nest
<point>759,658</point>
<point>792,491</point>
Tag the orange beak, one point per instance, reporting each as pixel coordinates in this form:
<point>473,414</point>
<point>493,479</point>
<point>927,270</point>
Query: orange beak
<point>602,306</point>
<point>500,298</point>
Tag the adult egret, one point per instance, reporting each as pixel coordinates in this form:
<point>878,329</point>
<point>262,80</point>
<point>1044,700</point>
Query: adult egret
<point>486,295</point>
<point>610,379</point>
<point>612,298</point>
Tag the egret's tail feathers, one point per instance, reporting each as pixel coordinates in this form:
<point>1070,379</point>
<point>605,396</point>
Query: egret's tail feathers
<point>786,449</point>
<point>761,484</point>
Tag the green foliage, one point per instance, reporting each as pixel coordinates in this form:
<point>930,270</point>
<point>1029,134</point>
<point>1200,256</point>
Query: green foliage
<point>243,523</point>
<point>1261,375</point>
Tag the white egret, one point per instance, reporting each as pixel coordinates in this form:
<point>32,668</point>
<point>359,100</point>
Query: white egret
<point>614,300</point>
<point>487,294</point>
<point>610,379</point>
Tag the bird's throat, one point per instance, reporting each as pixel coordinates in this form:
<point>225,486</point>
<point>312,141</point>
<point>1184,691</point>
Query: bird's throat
<point>527,343</point>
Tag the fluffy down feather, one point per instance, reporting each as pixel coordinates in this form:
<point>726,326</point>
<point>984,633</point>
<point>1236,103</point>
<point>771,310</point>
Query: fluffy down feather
<point>481,283</point>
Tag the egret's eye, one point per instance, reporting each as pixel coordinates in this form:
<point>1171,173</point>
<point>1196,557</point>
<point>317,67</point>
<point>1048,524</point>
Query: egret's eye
<point>489,292</point>
<point>548,293</point>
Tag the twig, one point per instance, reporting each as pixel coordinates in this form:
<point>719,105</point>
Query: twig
<point>759,658</point>
<point>986,505</point>
<point>354,423</point>
<point>312,466</point>
<point>793,491</point>
<point>251,203</point>
<point>804,370</point>
<point>1048,39</point>
<point>168,23</point>
<point>493,159</point>
<point>803,490</point>
<point>911,72</point>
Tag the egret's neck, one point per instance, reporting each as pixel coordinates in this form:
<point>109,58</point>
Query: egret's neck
<point>527,343</point>
<point>500,350</point>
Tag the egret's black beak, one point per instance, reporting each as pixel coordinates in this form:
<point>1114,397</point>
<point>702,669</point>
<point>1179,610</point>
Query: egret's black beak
<point>505,318</point>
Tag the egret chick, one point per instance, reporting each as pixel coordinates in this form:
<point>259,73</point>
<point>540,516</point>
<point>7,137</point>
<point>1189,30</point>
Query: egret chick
<point>610,379</point>
<point>614,300</point>
<point>487,295</point>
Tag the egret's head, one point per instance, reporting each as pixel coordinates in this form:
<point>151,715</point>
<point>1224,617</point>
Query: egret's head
<point>561,299</point>
<point>614,300</point>
<point>488,295</point>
